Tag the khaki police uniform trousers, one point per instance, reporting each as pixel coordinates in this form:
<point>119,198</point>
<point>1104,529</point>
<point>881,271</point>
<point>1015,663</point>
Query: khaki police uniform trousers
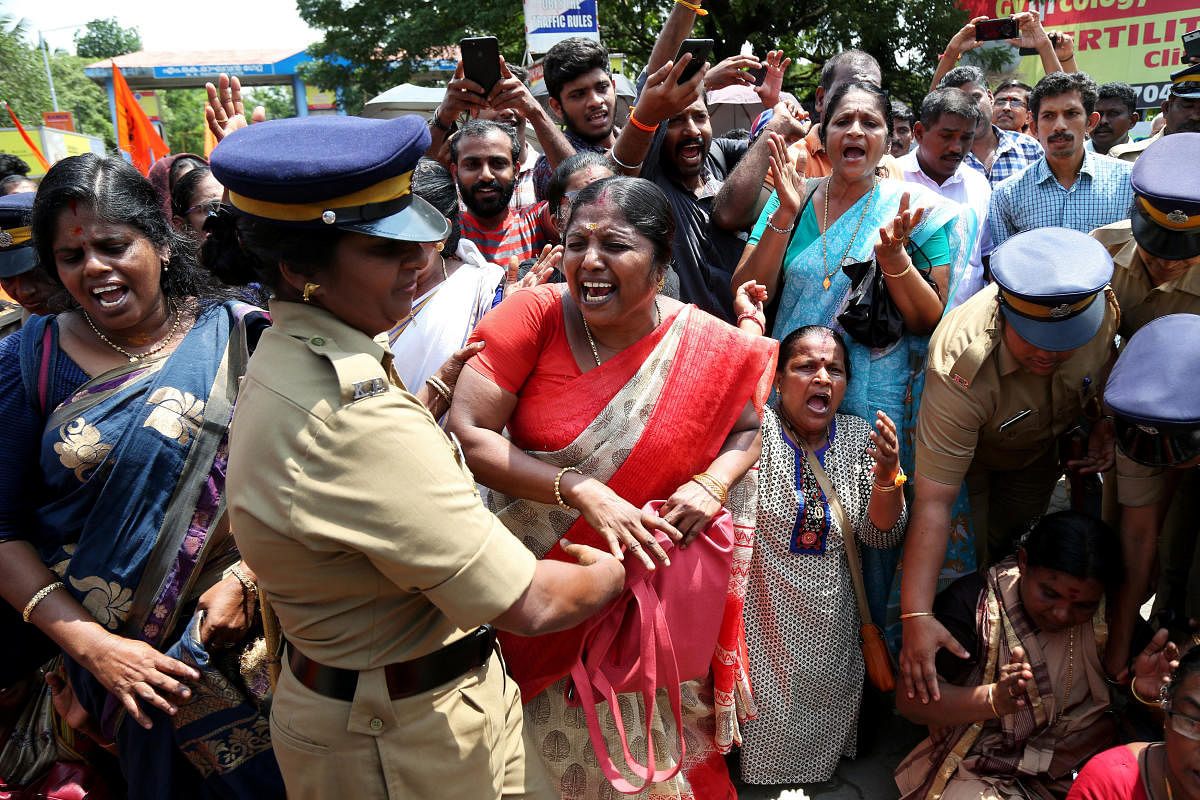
<point>462,740</point>
<point>1005,502</point>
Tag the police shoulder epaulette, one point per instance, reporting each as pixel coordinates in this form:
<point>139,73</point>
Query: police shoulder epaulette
<point>964,369</point>
<point>359,375</point>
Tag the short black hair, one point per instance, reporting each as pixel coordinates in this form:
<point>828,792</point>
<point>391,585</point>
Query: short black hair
<point>557,188</point>
<point>851,58</point>
<point>1189,664</point>
<point>482,127</point>
<point>962,75</point>
<point>737,134</point>
<point>901,111</point>
<point>1060,83</point>
<point>184,194</point>
<point>787,348</point>
<point>12,165</point>
<point>1013,83</point>
<point>1119,90</point>
<point>9,182</point>
<point>948,101</point>
<point>1078,544</point>
<point>570,58</point>
<point>881,99</point>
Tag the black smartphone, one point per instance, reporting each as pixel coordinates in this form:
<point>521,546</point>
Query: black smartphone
<point>481,60</point>
<point>759,74</point>
<point>1191,44</point>
<point>700,50</point>
<point>1033,51</point>
<point>992,30</point>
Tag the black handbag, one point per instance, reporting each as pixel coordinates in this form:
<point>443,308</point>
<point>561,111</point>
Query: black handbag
<point>871,317</point>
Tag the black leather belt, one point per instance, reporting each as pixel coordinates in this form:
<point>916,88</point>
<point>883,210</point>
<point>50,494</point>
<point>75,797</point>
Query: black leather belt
<point>404,678</point>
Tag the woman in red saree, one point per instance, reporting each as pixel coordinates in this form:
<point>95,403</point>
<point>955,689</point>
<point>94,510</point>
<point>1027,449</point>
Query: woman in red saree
<point>612,396</point>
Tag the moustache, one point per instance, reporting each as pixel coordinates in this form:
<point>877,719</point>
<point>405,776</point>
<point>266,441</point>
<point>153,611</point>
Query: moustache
<point>693,142</point>
<point>492,184</point>
<point>1102,129</point>
<point>1191,125</point>
<point>1060,137</point>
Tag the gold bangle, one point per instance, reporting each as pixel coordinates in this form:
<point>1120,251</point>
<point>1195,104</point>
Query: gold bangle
<point>898,480</point>
<point>912,614</point>
<point>558,486</point>
<point>899,274</point>
<point>992,699</point>
<point>41,595</point>
<point>439,386</point>
<point>249,585</point>
<point>714,487</point>
<point>1133,691</point>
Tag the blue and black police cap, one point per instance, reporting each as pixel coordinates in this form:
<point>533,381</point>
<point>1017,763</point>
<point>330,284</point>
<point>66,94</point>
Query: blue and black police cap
<point>1166,205</point>
<point>1186,82</point>
<point>1051,286</point>
<point>1154,392</point>
<point>16,248</point>
<point>343,172</point>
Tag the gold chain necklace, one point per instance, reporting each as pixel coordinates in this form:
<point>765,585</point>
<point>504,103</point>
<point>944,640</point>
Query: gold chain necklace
<point>825,232</point>
<point>1070,678</point>
<point>134,357</point>
<point>592,342</point>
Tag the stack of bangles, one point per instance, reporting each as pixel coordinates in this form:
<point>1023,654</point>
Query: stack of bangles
<point>898,481</point>
<point>39,596</point>
<point>714,487</point>
<point>439,386</point>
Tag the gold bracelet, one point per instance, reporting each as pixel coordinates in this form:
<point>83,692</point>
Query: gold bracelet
<point>992,699</point>
<point>898,480</point>
<point>912,614</point>
<point>439,386</point>
<point>41,595</point>
<point>249,585</point>
<point>714,487</point>
<point>558,486</point>
<point>899,274</point>
<point>1133,691</point>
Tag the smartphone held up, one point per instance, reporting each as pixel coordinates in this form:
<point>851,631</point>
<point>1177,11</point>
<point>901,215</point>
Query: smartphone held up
<point>481,60</point>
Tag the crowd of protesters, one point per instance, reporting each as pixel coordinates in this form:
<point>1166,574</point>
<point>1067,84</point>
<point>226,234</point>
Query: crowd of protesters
<point>356,458</point>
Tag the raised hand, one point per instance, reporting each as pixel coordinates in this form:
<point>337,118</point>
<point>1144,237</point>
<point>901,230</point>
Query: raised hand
<point>663,96</point>
<point>789,185</point>
<point>885,450</point>
<point>1153,666</point>
<point>965,39</point>
<point>1010,692</point>
<point>224,112</point>
<point>510,92</point>
<point>772,85</point>
<point>749,301</point>
<point>730,72</point>
<point>893,236</point>
<point>538,274</point>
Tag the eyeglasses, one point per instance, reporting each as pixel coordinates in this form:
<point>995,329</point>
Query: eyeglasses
<point>1185,726</point>
<point>209,207</point>
<point>1005,101</point>
<point>1157,445</point>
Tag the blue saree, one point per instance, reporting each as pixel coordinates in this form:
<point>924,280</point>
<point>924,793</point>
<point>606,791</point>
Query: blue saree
<point>133,467</point>
<point>891,378</point>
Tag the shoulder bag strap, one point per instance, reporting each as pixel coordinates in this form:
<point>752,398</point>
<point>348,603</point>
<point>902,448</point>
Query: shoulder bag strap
<point>856,575</point>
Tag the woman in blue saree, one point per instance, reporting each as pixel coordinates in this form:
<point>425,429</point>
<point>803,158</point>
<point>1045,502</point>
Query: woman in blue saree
<point>797,250</point>
<point>113,534</point>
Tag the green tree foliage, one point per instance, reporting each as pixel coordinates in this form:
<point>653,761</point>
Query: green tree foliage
<point>906,36</point>
<point>105,38</point>
<point>24,85</point>
<point>277,100</point>
<point>182,112</point>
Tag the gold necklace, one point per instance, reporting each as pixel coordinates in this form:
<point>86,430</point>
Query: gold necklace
<point>825,230</point>
<point>592,342</point>
<point>1070,678</point>
<point>134,357</point>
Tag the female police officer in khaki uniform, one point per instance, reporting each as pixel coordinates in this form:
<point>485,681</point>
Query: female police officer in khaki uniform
<point>352,505</point>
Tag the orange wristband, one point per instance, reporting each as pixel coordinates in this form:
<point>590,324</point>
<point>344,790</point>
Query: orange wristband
<point>641,126</point>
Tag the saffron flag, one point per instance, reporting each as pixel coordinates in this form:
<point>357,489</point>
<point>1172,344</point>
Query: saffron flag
<point>135,134</point>
<point>29,142</point>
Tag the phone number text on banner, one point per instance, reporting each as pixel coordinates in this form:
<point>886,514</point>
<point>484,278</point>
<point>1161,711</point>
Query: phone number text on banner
<point>548,22</point>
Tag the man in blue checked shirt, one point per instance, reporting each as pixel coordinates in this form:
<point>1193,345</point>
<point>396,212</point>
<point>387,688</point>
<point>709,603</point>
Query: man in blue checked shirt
<point>1069,187</point>
<point>997,153</point>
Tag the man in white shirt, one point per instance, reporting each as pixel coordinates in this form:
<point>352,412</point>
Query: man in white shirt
<point>944,133</point>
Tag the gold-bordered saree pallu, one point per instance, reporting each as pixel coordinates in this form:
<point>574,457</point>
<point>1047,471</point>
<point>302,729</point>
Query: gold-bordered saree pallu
<point>667,423</point>
<point>1030,753</point>
<point>133,464</point>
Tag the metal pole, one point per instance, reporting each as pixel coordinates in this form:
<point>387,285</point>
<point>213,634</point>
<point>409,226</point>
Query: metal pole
<point>49,77</point>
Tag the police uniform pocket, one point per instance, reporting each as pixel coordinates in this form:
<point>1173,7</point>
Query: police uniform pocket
<point>282,735</point>
<point>1021,429</point>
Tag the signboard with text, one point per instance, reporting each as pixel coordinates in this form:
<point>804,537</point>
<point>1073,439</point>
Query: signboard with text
<point>62,120</point>
<point>548,22</point>
<point>1136,41</point>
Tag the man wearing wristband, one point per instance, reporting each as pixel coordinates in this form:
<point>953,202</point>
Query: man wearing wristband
<point>1009,371</point>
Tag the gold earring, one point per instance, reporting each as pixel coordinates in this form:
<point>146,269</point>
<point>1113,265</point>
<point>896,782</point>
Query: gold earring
<point>309,288</point>
<point>440,245</point>
<point>662,283</point>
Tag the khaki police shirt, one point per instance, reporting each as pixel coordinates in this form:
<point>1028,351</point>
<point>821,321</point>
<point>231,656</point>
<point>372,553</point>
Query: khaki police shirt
<point>353,506</point>
<point>1131,150</point>
<point>1141,302</point>
<point>973,385</point>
